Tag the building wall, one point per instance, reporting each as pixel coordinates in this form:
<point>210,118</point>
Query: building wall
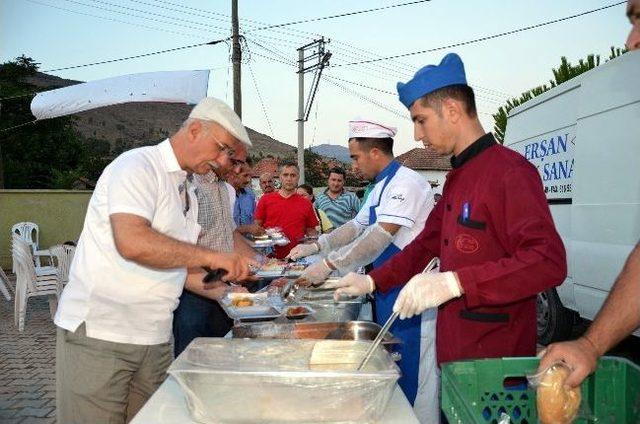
<point>58,213</point>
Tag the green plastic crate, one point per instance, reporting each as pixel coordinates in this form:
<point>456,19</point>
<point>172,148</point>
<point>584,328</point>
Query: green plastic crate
<point>474,392</point>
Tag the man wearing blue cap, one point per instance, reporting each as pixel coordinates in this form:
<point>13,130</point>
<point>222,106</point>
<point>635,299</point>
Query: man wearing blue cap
<point>492,231</point>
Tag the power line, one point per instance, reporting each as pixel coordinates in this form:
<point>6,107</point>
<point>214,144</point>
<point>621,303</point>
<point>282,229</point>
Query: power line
<point>365,98</point>
<point>209,43</point>
<point>485,38</point>
<point>114,19</point>
<point>255,84</point>
<point>362,85</point>
<point>152,14</point>
<point>341,15</point>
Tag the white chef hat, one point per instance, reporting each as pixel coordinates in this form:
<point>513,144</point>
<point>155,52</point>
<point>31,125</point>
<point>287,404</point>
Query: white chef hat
<point>368,128</point>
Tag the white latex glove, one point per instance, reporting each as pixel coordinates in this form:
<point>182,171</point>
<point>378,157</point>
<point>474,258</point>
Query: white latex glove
<point>302,250</point>
<point>425,291</point>
<point>351,284</point>
<point>316,273</point>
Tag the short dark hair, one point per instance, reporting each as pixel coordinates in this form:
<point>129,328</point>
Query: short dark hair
<point>385,145</point>
<point>338,170</point>
<point>307,188</point>
<point>289,164</point>
<point>460,92</point>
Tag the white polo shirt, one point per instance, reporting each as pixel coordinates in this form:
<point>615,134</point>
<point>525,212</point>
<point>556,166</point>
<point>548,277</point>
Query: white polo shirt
<point>406,201</point>
<point>120,300</point>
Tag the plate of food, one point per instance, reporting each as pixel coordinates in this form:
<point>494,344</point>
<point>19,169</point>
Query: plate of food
<point>272,268</point>
<point>248,306</point>
<point>298,312</point>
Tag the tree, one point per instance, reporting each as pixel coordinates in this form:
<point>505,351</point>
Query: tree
<point>42,154</point>
<point>563,73</point>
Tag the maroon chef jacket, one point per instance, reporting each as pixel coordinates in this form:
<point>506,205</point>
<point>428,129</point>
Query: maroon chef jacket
<point>505,251</point>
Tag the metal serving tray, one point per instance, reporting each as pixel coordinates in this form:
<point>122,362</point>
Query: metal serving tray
<point>353,330</point>
<point>260,311</point>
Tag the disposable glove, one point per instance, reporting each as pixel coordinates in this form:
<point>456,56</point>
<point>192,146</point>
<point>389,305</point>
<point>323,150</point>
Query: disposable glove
<point>425,291</point>
<point>316,273</point>
<point>302,250</point>
<point>351,284</point>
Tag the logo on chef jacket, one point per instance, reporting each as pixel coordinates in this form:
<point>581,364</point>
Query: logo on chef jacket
<point>399,197</point>
<point>466,243</point>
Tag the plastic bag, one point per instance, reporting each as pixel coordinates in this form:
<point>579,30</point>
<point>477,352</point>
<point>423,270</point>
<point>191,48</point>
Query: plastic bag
<point>555,403</point>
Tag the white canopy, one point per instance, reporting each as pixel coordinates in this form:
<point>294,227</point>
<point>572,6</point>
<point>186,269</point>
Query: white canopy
<point>171,87</point>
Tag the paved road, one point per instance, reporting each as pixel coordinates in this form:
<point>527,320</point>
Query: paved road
<point>27,365</point>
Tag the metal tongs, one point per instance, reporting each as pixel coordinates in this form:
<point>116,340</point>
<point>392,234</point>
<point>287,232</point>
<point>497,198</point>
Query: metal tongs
<point>433,263</point>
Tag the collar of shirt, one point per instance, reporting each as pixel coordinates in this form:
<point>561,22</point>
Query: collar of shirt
<point>169,158</point>
<point>473,150</point>
<point>388,170</point>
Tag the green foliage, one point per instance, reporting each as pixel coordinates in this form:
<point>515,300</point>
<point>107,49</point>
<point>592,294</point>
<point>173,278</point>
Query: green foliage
<point>44,154</point>
<point>563,73</point>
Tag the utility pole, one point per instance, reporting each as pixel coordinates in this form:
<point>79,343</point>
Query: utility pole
<point>320,59</point>
<point>236,58</point>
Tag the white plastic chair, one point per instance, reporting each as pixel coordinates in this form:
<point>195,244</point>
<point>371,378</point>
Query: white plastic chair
<point>4,285</point>
<point>63,255</point>
<point>30,233</point>
<point>28,284</point>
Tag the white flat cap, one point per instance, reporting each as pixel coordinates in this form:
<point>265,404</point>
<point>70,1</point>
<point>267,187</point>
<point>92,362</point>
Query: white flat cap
<point>367,128</point>
<point>212,109</point>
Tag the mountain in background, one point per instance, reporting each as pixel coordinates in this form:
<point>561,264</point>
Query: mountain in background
<point>340,153</point>
<point>122,127</point>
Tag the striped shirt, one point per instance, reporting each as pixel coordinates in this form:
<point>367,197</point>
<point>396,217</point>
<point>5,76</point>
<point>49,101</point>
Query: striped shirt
<point>340,210</point>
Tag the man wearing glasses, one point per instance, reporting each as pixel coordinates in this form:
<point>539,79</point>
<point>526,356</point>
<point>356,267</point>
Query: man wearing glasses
<point>138,242</point>
<point>199,315</point>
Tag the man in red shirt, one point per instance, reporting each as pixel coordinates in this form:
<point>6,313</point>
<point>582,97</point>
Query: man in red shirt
<point>287,209</point>
<point>492,230</point>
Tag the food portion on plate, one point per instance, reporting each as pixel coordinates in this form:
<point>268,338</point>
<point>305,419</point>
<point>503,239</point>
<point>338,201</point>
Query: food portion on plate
<point>275,268</point>
<point>241,302</point>
<point>297,312</point>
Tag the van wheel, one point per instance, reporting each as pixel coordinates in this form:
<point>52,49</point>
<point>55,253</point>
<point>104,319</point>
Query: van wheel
<point>554,320</point>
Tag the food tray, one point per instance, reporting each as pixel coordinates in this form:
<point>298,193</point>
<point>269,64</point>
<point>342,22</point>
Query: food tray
<point>262,308</point>
<point>308,311</point>
<point>352,330</point>
<point>272,381</point>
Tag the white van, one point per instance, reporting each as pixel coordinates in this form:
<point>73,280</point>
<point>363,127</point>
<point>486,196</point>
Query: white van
<point>584,138</point>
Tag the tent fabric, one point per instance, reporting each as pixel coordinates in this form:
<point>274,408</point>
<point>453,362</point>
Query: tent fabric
<point>171,87</point>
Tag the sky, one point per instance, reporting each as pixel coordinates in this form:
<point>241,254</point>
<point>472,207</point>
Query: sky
<point>62,33</point>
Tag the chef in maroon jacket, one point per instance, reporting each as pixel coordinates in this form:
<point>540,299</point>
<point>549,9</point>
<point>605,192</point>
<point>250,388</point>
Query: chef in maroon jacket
<point>492,231</point>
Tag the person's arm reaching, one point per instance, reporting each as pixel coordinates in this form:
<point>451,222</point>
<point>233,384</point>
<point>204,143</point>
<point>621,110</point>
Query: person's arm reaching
<point>361,251</point>
<point>214,291</point>
<point>619,317</point>
<point>135,240</point>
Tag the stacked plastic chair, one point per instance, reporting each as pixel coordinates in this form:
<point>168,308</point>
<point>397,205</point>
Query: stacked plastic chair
<point>63,254</point>
<point>30,233</point>
<point>29,284</point>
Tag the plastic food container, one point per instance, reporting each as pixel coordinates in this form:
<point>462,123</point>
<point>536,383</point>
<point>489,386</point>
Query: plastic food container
<point>267,380</point>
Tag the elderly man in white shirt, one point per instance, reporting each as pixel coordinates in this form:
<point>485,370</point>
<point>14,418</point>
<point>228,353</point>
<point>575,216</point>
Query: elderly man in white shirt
<point>135,252</point>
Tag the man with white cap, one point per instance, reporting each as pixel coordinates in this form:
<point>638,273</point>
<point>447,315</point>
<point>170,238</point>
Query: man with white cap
<point>492,230</point>
<point>130,266</point>
<point>394,213</point>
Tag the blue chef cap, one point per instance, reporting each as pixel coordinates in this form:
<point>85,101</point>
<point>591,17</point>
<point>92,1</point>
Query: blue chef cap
<point>450,71</point>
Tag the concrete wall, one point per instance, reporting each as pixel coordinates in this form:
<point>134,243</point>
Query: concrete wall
<point>58,213</point>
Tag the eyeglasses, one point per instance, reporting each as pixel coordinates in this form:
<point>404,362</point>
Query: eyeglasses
<point>224,148</point>
<point>237,163</point>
